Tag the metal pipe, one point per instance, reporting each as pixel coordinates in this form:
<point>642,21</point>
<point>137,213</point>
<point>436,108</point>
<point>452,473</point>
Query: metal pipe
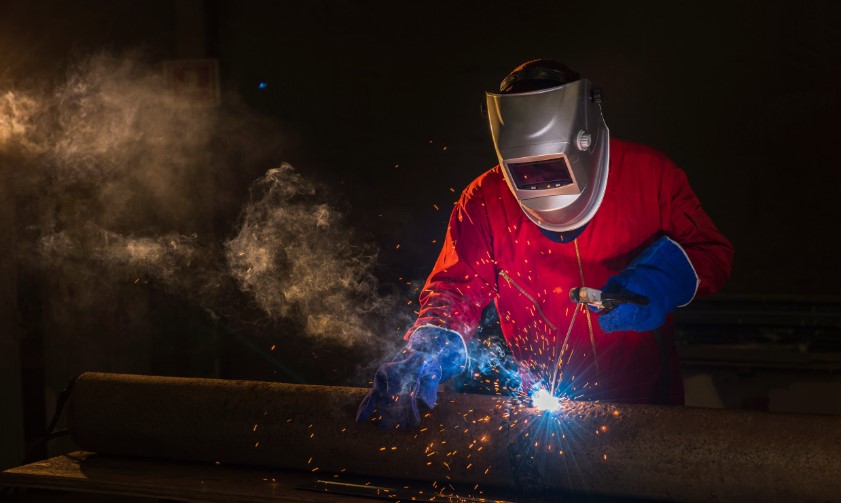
<point>677,453</point>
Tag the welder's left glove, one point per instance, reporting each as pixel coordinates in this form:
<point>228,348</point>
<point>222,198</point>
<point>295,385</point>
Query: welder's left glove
<point>432,355</point>
<point>663,274</point>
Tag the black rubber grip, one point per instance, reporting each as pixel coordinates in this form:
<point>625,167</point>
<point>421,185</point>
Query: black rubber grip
<point>615,298</point>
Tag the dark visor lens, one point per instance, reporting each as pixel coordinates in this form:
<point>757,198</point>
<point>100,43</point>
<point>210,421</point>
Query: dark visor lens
<point>546,174</point>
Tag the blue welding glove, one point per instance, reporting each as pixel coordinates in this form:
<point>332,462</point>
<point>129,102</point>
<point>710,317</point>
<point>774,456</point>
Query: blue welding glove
<point>432,355</point>
<point>663,274</point>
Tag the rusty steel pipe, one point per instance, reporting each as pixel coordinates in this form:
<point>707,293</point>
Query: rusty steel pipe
<point>677,453</point>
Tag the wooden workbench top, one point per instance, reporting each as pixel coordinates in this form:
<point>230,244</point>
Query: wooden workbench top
<point>165,479</point>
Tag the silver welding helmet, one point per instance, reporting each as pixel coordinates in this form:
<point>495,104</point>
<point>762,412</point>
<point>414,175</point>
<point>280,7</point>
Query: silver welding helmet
<point>553,149</point>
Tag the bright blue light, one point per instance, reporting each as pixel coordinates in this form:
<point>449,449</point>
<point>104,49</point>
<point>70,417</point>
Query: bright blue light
<point>543,400</point>
<point>262,85</point>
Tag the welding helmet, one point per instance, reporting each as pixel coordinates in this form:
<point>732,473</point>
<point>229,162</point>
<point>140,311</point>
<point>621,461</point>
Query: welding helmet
<point>551,142</point>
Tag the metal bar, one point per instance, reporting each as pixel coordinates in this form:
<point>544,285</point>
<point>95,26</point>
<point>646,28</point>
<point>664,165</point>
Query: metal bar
<point>676,453</point>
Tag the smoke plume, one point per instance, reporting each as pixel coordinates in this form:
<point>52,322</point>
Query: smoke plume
<point>296,256</point>
<point>123,179</point>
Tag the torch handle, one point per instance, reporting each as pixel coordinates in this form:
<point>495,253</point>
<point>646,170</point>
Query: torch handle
<point>613,299</point>
<point>605,300</point>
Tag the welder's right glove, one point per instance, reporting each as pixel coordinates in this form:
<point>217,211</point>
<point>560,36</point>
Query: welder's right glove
<point>432,355</point>
<point>663,274</point>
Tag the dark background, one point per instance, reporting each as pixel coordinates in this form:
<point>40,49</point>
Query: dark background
<point>379,102</point>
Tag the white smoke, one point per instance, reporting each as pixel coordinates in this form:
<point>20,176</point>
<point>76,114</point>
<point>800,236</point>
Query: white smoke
<point>124,176</point>
<point>294,255</point>
<point>16,115</point>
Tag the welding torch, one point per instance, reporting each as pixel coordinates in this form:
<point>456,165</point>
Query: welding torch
<point>604,300</point>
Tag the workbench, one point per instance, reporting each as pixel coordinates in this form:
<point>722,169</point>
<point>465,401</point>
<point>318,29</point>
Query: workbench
<point>160,479</point>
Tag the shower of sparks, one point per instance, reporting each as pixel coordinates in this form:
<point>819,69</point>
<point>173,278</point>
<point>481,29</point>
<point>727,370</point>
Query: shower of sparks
<point>545,401</point>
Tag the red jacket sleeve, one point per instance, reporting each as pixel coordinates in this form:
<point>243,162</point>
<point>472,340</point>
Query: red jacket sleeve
<point>686,222</point>
<point>463,280</point>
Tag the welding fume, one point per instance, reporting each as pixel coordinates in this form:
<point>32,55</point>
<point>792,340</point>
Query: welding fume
<point>571,225</point>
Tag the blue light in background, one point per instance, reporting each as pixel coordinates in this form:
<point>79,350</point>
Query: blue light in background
<point>262,85</point>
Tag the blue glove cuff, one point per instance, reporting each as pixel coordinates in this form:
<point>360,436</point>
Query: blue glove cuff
<point>668,260</point>
<point>664,274</point>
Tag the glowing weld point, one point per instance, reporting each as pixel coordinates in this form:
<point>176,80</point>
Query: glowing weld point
<point>543,400</point>
<point>262,85</point>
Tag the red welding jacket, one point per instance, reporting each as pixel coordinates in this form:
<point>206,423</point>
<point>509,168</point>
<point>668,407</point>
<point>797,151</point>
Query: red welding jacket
<point>493,252</point>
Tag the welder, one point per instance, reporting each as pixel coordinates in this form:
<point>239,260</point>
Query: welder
<point>566,207</point>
